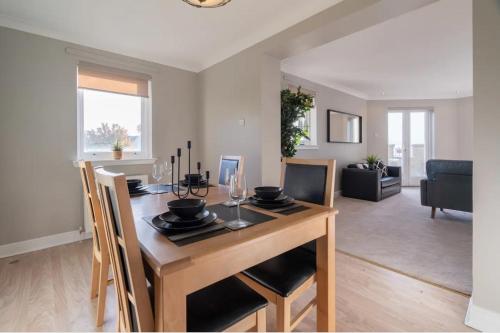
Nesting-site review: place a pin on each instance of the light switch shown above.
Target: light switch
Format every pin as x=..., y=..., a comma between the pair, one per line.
x=241, y=122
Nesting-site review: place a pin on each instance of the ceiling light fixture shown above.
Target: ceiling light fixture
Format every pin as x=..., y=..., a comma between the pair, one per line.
x=207, y=3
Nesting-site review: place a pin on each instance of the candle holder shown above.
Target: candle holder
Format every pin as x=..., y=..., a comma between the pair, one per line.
x=190, y=188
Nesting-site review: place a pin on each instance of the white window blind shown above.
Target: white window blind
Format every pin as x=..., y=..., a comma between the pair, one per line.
x=108, y=79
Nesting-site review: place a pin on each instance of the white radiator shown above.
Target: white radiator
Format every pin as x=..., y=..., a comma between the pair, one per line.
x=86, y=213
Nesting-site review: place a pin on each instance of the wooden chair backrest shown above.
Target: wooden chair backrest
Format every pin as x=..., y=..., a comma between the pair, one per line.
x=135, y=312
x=90, y=194
x=309, y=180
x=231, y=163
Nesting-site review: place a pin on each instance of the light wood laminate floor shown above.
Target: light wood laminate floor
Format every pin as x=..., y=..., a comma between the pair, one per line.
x=49, y=291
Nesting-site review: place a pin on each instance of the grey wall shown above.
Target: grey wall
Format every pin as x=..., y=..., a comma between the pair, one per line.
x=230, y=92
x=328, y=98
x=452, y=126
x=484, y=310
x=41, y=190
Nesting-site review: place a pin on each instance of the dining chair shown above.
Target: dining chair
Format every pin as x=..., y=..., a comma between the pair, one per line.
x=100, y=253
x=226, y=305
x=231, y=164
x=283, y=279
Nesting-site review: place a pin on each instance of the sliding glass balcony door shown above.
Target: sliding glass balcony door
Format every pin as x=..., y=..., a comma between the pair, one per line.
x=409, y=140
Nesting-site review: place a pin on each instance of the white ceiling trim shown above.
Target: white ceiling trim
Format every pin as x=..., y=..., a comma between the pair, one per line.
x=356, y=93
x=338, y=87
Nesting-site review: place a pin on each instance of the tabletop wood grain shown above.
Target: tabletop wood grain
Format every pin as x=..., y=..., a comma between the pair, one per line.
x=162, y=254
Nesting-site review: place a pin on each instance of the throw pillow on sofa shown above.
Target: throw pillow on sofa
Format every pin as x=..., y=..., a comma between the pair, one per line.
x=359, y=166
x=380, y=165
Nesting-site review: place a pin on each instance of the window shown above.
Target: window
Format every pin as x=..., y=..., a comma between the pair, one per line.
x=113, y=106
x=307, y=123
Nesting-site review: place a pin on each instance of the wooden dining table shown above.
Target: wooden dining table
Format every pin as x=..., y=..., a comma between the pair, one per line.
x=178, y=271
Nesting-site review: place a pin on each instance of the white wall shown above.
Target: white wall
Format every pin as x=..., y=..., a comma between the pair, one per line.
x=466, y=128
x=484, y=309
x=41, y=191
x=453, y=128
x=328, y=98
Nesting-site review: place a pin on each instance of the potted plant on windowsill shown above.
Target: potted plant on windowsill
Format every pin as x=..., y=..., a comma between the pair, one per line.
x=117, y=150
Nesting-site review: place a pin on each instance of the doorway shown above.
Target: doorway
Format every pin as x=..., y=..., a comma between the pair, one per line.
x=410, y=142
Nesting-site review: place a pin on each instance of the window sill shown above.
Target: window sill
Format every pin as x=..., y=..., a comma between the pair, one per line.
x=130, y=161
x=307, y=147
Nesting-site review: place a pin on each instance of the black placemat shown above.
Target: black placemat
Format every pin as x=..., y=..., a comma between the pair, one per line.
x=224, y=213
x=287, y=210
x=164, y=188
x=230, y=213
x=203, y=184
x=292, y=210
x=194, y=239
x=151, y=189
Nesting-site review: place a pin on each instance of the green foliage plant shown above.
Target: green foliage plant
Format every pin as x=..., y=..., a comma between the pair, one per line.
x=293, y=107
x=118, y=145
x=372, y=159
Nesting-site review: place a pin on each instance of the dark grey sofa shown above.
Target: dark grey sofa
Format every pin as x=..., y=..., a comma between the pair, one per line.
x=448, y=185
x=369, y=184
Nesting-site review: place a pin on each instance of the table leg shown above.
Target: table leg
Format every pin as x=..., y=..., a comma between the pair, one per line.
x=158, y=288
x=173, y=305
x=325, y=274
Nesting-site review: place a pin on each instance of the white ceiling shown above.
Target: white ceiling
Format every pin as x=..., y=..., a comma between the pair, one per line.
x=168, y=32
x=424, y=54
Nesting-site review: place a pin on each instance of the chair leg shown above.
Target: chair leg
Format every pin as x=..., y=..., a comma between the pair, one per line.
x=433, y=212
x=94, y=277
x=101, y=297
x=283, y=317
x=119, y=320
x=261, y=320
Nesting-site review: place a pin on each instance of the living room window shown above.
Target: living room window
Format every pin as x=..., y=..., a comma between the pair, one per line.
x=113, y=106
x=307, y=123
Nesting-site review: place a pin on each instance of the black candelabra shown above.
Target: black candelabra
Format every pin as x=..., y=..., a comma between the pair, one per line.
x=190, y=187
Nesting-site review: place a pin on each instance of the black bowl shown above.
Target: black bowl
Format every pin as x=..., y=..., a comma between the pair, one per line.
x=194, y=177
x=186, y=208
x=268, y=192
x=133, y=183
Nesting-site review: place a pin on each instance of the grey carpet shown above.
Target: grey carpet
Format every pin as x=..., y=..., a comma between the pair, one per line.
x=398, y=233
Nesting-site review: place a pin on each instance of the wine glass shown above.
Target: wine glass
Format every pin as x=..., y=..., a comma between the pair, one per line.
x=238, y=193
x=227, y=177
x=227, y=183
x=168, y=170
x=158, y=173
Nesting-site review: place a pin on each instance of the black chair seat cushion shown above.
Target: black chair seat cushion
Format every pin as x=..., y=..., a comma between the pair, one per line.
x=221, y=305
x=286, y=272
x=389, y=181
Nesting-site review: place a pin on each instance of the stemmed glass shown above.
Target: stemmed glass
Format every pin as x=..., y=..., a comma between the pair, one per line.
x=238, y=193
x=158, y=173
x=168, y=171
x=227, y=183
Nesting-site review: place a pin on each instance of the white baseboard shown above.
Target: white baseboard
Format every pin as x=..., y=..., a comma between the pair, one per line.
x=482, y=319
x=41, y=243
x=337, y=194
